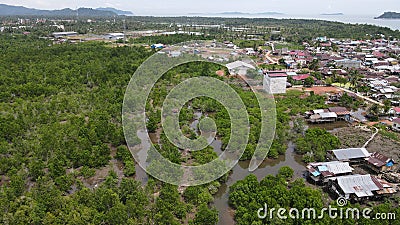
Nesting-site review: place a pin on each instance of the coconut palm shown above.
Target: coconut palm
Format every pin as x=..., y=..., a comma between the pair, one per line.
x=374, y=111
x=354, y=79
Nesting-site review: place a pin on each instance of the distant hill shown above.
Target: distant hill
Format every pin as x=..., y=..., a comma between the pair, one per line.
x=332, y=14
x=9, y=10
x=117, y=11
x=270, y=13
x=238, y=13
x=242, y=13
x=389, y=15
x=234, y=13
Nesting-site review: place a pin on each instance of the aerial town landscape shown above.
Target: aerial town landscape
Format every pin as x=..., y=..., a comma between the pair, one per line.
x=68, y=157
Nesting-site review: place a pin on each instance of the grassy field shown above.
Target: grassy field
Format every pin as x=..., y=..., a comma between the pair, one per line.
x=290, y=46
x=347, y=86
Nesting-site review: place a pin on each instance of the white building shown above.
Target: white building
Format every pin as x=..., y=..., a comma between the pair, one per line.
x=291, y=74
x=348, y=63
x=275, y=83
x=175, y=54
x=115, y=36
x=250, y=51
x=64, y=34
x=396, y=125
x=239, y=68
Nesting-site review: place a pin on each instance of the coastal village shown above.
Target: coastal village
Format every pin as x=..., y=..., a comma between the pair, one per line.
x=365, y=72
x=362, y=71
x=344, y=91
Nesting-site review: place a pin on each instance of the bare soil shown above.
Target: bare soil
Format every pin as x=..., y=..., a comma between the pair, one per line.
x=318, y=90
x=352, y=137
x=385, y=146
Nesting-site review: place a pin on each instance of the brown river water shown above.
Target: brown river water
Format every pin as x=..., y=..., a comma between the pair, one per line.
x=240, y=171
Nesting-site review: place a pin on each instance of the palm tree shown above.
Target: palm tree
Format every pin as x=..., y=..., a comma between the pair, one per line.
x=342, y=80
x=314, y=65
x=374, y=110
x=388, y=105
x=354, y=79
x=335, y=76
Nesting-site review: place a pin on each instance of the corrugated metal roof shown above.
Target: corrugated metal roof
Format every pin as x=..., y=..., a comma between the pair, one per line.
x=277, y=75
x=379, y=160
x=316, y=173
x=328, y=115
x=339, y=111
x=317, y=111
x=387, y=191
x=351, y=153
x=323, y=168
x=339, y=167
x=301, y=77
x=238, y=64
x=331, y=168
x=397, y=121
x=327, y=174
x=360, y=185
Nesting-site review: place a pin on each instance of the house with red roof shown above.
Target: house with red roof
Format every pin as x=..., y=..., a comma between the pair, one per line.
x=396, y=110
x=302, y=77
x=378, y=54
x=327, y=44
x=381, y=163
x=299, y=79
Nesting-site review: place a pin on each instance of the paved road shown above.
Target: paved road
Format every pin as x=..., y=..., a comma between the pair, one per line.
x=271, y=60
x=268, y=55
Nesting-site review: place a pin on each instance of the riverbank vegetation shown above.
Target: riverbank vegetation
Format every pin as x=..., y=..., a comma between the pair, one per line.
x=283, y=192
x=62, y=144
x=312, y=143
x=211, y=108
x=315, y=144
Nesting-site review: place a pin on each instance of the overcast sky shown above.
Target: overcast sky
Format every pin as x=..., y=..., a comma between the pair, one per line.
x=182, y=7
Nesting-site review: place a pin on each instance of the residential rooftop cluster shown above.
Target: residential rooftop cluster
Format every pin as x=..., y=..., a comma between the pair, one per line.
x=339, y=176
x=375, y=61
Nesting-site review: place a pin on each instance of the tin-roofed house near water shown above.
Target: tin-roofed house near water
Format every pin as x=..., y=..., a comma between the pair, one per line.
x=360, y=187
x=351, y=155
x=321, y=172
x=381, y=163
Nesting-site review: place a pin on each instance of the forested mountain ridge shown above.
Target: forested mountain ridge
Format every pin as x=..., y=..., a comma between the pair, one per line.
x=9, y=10
x=117, y=11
